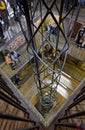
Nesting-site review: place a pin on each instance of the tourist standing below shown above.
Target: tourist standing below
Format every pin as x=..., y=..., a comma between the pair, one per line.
x=48, y=52
x=13, y=5
x=9, y=61
x=15, y=57
x=48, y=29
x=79, y=36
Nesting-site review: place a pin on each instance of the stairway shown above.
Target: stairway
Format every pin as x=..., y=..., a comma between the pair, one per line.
x=6, y=108
x=74, y=116
x=13, y=116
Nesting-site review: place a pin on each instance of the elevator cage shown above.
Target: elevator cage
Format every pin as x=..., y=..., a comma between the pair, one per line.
x=50, y=24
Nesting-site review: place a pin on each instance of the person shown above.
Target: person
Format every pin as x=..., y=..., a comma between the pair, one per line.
x=9, y=61
x=48, y=31
x=15, y=57
x=6, y=51
x=48, y=28
x=16, y=79
x=13, y=5
x=55, y=31
x=83, y=41
x=1, y=30
x=4, y=13
x=48, y=51
x=79, y=37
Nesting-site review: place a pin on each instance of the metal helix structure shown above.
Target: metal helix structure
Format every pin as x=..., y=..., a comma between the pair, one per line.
x=48, y=70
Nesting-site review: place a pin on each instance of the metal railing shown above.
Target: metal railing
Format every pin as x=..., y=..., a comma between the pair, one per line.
x=74, y=112
x=8, y=97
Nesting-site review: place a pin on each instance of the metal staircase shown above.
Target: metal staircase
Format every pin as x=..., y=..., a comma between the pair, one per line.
x=13, y=115
x=16, y=116
x=74, y=116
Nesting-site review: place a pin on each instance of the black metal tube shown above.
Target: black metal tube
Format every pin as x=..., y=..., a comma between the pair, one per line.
x=27, y=16
x=71, y=125
x=80, y=94
x=4, y=84
x=83, y=88
x=7, y=90
x=6, y=96
x=57, y=40
x=35, y=8
x=67, y=14
x=81, y=113
x=29, y=128
x=12, y=102
x=12, y=117
x=47, y=7
x=39, y=26
x=31, y=37
x=2, y=81
x=76, y=102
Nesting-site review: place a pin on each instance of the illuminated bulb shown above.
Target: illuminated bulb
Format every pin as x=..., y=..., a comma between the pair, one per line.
x=46, y=93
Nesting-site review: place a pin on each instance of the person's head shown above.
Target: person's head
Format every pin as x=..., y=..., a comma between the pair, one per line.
x=49, y=23
x=12, y=53
x=6, y=53
x=47, y=46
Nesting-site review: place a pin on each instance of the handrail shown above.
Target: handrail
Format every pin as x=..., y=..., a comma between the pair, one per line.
x=81, y=113
x=76, y=115
x=7, y=98
x=29, y=128
x=7, y=90
x=71, y=125
x=10, y=101
x=80, y=93
x=12, y=117
x=76, y=102
x=83, y=88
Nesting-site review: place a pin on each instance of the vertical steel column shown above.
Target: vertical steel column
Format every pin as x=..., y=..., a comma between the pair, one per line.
x=57, y=40
x=27, y=15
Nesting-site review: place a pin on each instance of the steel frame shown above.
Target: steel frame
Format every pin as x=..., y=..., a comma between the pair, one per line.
x=49, y=69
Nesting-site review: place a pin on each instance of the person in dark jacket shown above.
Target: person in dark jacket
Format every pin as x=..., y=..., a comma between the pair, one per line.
x=79, y=36
x=1, y=30
x=48, y=51
x=4, y=14
x=13, y=5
